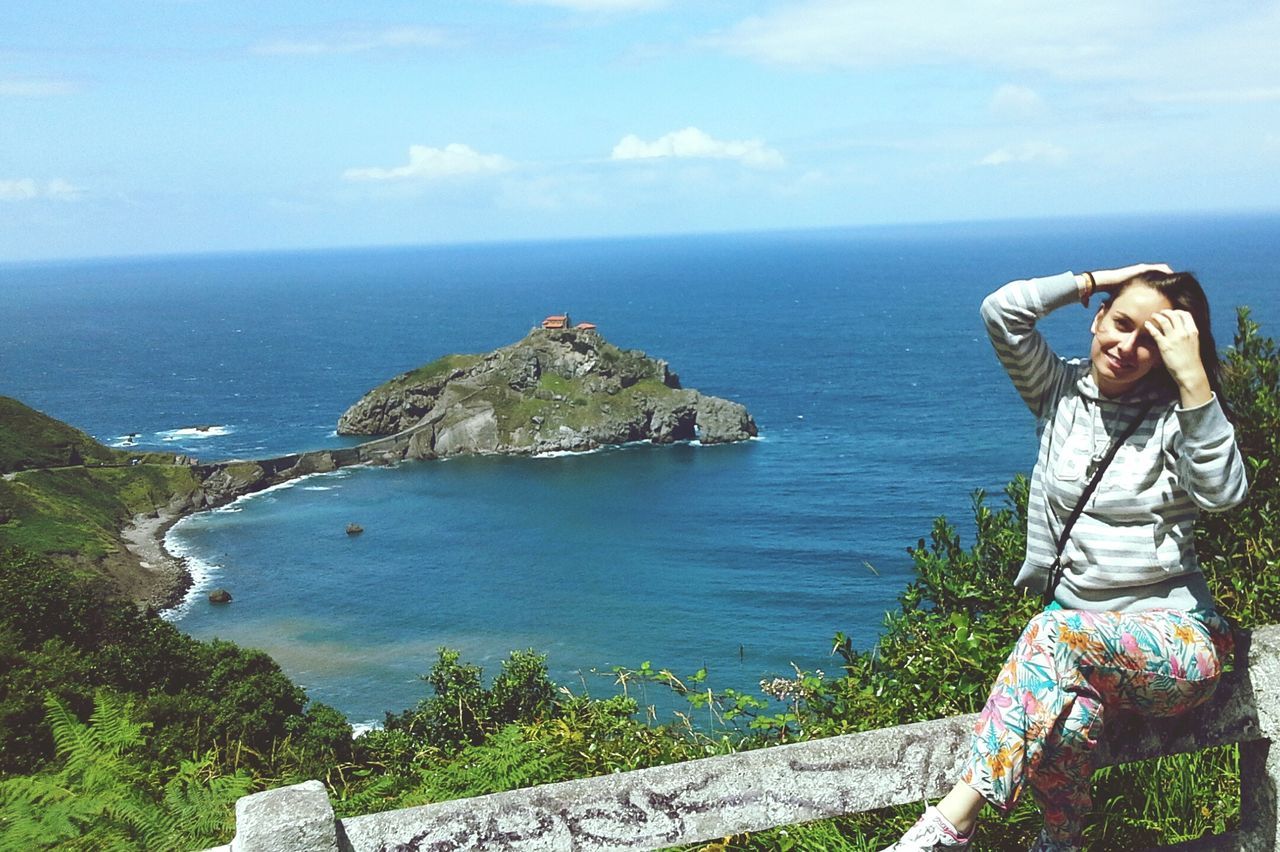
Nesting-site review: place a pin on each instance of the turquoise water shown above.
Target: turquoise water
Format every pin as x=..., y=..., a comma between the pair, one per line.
x=858, y=352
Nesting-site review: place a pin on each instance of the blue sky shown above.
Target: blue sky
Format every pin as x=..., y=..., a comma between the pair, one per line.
x=159, y=126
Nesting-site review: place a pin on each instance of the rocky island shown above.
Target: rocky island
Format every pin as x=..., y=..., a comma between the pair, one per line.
x=557, y=390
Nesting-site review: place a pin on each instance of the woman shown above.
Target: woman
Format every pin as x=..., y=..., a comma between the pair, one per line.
x=1132, y=624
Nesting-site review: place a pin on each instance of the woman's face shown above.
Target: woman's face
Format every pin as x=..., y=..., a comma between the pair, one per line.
x=1123, y=353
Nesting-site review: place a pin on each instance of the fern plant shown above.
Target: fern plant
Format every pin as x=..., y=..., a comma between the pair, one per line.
x=103, y=798
x=506, y=761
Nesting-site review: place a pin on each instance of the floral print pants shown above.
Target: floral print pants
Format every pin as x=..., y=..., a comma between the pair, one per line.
x=1070, y=667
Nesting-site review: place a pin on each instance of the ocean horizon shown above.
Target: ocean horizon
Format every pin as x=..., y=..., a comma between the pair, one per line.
x=858, y=351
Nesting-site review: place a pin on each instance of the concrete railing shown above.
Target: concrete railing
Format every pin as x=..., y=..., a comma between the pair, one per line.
x=750, y=791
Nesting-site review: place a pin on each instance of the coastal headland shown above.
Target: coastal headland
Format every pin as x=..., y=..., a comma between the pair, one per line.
x=556, y=390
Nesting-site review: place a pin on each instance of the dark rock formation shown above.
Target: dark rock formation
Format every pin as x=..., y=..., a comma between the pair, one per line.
x=219, y=596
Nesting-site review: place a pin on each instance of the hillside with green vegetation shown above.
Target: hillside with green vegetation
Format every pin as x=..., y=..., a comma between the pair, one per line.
x=67, y=498
x=30, y=439
x=118, y=731
x=78, y=512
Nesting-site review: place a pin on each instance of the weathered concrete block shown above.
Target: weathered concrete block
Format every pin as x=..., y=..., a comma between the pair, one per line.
x=749, y=791
x=1260, y=760
x=684, y=802
x=288, y=819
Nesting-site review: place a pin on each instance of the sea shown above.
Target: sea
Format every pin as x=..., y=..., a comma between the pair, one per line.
x=859, y=353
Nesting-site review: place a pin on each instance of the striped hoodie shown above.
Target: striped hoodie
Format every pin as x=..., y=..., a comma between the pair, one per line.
x=1133, y=546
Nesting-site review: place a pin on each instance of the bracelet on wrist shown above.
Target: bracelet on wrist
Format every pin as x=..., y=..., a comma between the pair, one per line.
x=1090, y=284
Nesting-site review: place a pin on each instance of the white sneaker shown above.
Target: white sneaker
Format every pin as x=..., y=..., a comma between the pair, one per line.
x=1045, y=844
x=930, y=833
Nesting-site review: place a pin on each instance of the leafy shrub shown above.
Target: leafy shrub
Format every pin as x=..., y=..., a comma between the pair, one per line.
x=1240, y=549
x=463, y=712
x=107, y=793
x=64, y=635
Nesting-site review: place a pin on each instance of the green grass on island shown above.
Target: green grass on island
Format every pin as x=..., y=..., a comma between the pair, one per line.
x=429, y=374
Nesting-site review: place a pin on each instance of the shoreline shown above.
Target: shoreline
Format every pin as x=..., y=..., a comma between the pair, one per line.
x=166, y=578
x=169, y=575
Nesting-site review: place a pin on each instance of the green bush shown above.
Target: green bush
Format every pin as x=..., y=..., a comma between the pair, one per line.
x=107, y=792
x=66, y=636
x=1240, y=549
x=463, y=712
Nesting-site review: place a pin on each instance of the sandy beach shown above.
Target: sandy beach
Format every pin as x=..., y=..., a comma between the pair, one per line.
x=165, y=578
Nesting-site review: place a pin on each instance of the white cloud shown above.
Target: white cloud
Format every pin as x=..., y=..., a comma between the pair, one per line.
x=1255, y=95
x=62, y=190
x=388, y=39
x=18, y=190
x=29, y=189
x=1083, y=40
x=694, y=143
x=453, y=160
x=1028, y=152
x=883, y=32
x=31, y=87
x=1016, y=101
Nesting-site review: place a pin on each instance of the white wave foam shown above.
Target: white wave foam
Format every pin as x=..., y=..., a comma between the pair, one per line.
x=358, y=728
x=125, y=440
x=195, y=432
x=237, y=504
x=202, y=573
x=555, y=454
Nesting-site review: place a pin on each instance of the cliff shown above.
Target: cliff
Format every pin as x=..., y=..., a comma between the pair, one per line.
x=555, y=390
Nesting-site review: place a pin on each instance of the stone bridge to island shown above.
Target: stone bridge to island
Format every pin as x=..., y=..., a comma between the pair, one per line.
x=226, y=480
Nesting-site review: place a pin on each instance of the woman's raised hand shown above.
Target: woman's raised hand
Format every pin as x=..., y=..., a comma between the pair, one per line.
x=1178, y=339
x=1109, y=279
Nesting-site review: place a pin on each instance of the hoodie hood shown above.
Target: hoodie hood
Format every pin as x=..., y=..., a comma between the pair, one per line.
x=1149, y=390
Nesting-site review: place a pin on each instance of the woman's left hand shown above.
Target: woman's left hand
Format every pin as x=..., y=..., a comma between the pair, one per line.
x=1178, y=339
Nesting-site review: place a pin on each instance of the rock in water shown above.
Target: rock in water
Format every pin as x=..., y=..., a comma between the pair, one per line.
x=219, y=596
x=354, y=529
x=555, y=390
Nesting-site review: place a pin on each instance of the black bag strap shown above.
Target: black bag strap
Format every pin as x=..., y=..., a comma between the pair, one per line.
x=1055, y=570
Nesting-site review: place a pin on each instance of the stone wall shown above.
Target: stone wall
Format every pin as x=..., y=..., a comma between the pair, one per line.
x=750, y=791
